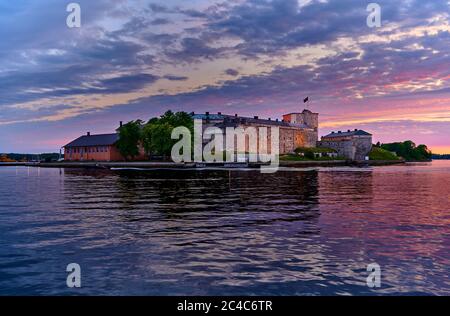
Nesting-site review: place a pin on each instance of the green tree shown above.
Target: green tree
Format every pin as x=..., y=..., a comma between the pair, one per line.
x=409, y=151
x=424, y=152
x=156, y=134
x=157, y=138
x=130, y=135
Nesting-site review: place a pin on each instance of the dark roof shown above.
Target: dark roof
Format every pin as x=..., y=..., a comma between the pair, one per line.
x=357, y=132
x=232, y=118
x=209, y=116
x=94, y=140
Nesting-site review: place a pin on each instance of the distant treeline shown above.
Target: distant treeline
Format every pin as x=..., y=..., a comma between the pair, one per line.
x=408, y=150
x=32, y=157
x=437, y=156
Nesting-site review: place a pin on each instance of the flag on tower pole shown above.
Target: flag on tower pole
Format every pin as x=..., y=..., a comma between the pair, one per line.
x=306, y=100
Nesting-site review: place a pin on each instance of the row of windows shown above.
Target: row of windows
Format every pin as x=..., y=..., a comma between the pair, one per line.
x=82, y=150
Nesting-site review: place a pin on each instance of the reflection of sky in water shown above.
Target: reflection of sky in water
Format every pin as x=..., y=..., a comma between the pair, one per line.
x=221, y=232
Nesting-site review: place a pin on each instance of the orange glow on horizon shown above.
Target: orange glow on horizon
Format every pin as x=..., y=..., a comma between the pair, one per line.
x=440, y=149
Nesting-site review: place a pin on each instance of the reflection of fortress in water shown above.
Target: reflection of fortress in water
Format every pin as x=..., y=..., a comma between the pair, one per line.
x=185, y=193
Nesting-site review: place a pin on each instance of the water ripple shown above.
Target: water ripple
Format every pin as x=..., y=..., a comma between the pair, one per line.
x=297, y=232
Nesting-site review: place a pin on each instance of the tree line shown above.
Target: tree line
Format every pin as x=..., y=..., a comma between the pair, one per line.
x=12, y=157
x=408, y=150
x=153, y=136
x=441, y=156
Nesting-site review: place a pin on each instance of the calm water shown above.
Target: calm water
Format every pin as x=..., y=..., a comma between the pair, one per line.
x=298, y=232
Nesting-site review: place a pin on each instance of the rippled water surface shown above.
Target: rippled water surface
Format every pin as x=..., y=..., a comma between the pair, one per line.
x=296, y=232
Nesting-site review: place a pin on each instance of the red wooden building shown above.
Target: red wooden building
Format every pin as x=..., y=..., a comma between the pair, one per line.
x=100, y=147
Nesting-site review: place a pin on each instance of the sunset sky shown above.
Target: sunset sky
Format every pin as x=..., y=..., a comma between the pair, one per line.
x=137, y=59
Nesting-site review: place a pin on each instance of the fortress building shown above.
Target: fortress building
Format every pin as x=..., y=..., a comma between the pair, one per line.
x=353, y=145
x=295, y=130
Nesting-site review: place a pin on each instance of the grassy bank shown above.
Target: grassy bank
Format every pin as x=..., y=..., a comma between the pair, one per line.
x=378, y=153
